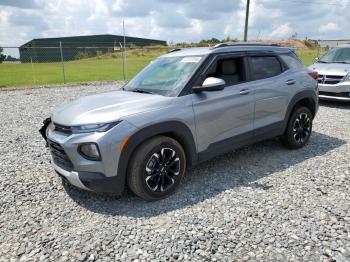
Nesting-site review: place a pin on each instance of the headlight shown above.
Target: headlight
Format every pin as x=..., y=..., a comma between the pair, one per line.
x=90, y=151
x=346, y=78
x=93, y=127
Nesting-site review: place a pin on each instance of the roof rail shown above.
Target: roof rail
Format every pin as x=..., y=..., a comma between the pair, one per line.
x=242, y=44
x=174, y=50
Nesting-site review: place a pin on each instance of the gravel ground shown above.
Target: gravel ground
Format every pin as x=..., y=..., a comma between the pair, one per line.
x=259, y=203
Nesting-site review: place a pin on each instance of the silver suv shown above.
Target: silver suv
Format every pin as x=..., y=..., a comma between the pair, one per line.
x=334, y=74
x=185, y=107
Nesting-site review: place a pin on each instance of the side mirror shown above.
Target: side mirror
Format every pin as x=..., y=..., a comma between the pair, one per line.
x=210, y=84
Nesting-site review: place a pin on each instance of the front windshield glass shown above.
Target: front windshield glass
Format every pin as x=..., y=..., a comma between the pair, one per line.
x=165, y=76
x=336, y=55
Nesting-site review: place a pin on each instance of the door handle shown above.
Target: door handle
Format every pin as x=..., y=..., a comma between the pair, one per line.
x=290, y=82
x=244, y=92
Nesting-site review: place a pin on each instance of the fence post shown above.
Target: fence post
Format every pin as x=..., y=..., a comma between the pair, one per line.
x=62, y=64
x=33, y=72
x=126, y=69
x=123, y=58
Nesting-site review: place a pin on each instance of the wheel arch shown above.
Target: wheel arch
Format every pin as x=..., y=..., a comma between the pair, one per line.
x=307, y=98
x=174, y=129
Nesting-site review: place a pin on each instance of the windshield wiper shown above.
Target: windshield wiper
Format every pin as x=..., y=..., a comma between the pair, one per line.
x=341, y=62
x=141, y=91
x=320, y=61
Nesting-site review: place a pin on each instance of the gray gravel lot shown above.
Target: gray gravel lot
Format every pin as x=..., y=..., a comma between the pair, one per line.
x=259, y=203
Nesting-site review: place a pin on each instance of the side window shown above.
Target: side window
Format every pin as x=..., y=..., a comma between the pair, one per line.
x=229, y=69
x=292, y=61
x=265, y=67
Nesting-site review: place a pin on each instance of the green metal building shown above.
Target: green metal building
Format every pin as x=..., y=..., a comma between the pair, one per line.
x=48, y=49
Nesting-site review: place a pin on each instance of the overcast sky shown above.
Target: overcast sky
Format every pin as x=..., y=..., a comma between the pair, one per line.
x=173, y=20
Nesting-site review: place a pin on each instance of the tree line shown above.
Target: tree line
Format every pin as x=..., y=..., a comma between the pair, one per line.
x=6, y=57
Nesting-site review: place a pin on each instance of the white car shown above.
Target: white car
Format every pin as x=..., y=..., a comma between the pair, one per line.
x=334, y=74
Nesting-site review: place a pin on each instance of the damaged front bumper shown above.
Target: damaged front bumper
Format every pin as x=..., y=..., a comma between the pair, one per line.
x=94, y=175
x=43, y=129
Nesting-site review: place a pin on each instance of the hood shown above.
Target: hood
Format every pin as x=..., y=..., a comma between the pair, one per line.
x=336, y=69
x=107, y=107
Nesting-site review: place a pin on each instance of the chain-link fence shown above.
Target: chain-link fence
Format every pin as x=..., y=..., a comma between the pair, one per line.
x=60, y=63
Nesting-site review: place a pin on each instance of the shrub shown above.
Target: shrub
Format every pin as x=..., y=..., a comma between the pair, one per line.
x=99, y=54
x=82, y=55
x=310, y=44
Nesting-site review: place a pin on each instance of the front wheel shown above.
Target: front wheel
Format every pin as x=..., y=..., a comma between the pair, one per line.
x=299, y=128
x=156, y=168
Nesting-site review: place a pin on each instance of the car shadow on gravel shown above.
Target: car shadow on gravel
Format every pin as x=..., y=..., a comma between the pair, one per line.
x=240, y=168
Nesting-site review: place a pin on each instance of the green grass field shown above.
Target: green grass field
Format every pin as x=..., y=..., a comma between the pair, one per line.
x=308, y=56
x=91, y=69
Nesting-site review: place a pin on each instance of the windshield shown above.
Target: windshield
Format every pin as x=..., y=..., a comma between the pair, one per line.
x=336, y=55
x=165, y=76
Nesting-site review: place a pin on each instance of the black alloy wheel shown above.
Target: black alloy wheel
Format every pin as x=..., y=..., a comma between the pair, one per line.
x=162, y=170
x=301, y=128
x=156, y=168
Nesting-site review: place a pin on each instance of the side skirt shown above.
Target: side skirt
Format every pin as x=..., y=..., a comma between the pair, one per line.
x=227, y=145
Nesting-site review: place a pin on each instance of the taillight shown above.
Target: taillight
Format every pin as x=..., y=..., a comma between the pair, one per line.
x=313, y=74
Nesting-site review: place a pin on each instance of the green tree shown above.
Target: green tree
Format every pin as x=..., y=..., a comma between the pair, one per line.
x=2, y=56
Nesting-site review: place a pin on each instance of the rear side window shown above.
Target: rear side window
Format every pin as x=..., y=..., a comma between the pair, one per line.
x=265, y=67
x=292, y=61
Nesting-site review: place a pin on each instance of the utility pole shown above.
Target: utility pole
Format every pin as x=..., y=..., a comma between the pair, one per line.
x=246, y=21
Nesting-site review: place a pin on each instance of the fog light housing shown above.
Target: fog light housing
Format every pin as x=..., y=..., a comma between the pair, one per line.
x=90, y=151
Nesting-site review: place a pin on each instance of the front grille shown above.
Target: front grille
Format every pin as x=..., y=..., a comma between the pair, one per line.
x=63, y=129
x=329, y=79
x=59, y=156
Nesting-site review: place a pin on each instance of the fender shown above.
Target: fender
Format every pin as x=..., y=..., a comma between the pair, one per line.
x=309, y=94
x=177, y=130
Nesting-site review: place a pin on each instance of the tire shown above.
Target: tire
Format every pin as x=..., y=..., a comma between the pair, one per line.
x=156, y=168
x=298, y=129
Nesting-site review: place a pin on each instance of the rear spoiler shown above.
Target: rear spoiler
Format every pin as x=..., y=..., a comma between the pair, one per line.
x=42, y=130
x=294, y=50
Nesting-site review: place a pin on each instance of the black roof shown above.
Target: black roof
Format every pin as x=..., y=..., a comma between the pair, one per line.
x=104, y=38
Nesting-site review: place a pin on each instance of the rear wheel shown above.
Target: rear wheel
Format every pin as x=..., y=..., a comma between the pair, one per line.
x=156, y=168
x=298, y=129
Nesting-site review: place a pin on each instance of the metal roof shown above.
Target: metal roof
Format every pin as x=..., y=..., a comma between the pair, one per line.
x=104, y=38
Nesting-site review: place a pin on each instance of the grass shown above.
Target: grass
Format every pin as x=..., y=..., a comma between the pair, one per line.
x=307, y=56
x=91, y=69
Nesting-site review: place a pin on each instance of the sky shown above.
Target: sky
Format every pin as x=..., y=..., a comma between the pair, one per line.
x=173, y=20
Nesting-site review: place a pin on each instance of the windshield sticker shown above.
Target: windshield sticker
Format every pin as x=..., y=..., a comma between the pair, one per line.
x=191, y=59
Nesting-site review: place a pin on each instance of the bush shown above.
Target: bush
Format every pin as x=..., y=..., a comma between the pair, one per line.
x=2, y=56
x=82, y=55
x=99, y=54
x=310, y=44
x=134, y=46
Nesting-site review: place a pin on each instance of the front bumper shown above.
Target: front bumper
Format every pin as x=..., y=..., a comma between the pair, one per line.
x=98, y=176
x=70, y=176
x=89, y=181
x=334, y=98
x=337, y=92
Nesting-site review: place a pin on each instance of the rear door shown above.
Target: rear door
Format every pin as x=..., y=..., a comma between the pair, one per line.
x=270, y=83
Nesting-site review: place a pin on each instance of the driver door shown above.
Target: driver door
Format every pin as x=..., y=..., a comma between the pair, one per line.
x=224, y=119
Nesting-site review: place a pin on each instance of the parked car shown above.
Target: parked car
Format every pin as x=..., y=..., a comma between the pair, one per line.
x=334, y=74
x=187, y=106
